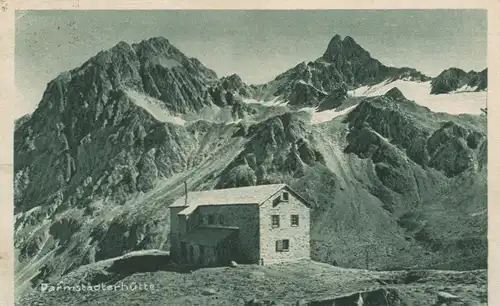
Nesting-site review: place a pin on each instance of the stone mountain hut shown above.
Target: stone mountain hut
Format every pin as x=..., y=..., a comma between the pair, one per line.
x=254, y=225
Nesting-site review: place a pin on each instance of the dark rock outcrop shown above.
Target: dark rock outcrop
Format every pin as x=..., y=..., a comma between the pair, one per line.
x=452, y=148
x=454, y=78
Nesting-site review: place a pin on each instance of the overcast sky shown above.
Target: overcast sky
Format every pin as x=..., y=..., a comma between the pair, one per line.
x=257, y=45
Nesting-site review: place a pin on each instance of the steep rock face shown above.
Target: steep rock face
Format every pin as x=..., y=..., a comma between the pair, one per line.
x=456, y=79
x=171, y=77
x=94, y=92
x=71, y=195
x=278, y=150
x=452, y=148
x=88, y=149
x=83, y=152
x=392, y=122
x=305, y=84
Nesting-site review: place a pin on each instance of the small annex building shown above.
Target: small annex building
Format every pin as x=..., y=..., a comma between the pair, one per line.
x=262, y=224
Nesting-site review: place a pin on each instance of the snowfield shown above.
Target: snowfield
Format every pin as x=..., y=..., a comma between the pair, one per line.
x=153, y=107
x=462, y=101
x=324, y=116
x=274, y=102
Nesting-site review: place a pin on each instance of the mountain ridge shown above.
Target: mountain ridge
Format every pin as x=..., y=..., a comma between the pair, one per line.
x=454, y=79
x=382, y=175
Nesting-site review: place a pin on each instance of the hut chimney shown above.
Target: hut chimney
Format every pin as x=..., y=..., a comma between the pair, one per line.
x=185, y=194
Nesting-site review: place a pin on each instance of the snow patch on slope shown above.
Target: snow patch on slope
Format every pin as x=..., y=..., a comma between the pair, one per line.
x=153, y=107
x=320, y=117
x=463, y=101
x=169, y=63
x=466, y=88
x=311, y=85
x=274, y=102
x=324, y=116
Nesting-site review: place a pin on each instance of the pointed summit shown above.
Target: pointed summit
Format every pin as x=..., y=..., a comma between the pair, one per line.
x=348, y=40
x=346, y=48
x=334, y=46
x=336, y=39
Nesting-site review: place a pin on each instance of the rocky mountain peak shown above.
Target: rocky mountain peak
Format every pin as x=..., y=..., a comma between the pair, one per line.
x=345, y=48
x=159, y=40
x=156, y=46
x=232, y=82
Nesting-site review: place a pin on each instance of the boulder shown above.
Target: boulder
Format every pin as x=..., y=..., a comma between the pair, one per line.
x=445, y=297
x=233, y=264
x=209, y=291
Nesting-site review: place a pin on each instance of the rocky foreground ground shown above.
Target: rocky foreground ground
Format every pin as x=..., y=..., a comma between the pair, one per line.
x=152, y=281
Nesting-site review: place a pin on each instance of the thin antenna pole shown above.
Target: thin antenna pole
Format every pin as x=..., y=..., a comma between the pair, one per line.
x=186, y=193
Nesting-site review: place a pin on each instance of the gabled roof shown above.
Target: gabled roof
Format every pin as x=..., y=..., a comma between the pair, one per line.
x=231, y=196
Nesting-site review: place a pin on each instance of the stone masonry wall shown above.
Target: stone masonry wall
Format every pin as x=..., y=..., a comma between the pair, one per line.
x=299, y=237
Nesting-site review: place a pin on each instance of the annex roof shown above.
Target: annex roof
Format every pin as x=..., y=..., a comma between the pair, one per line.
x=231, y=196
